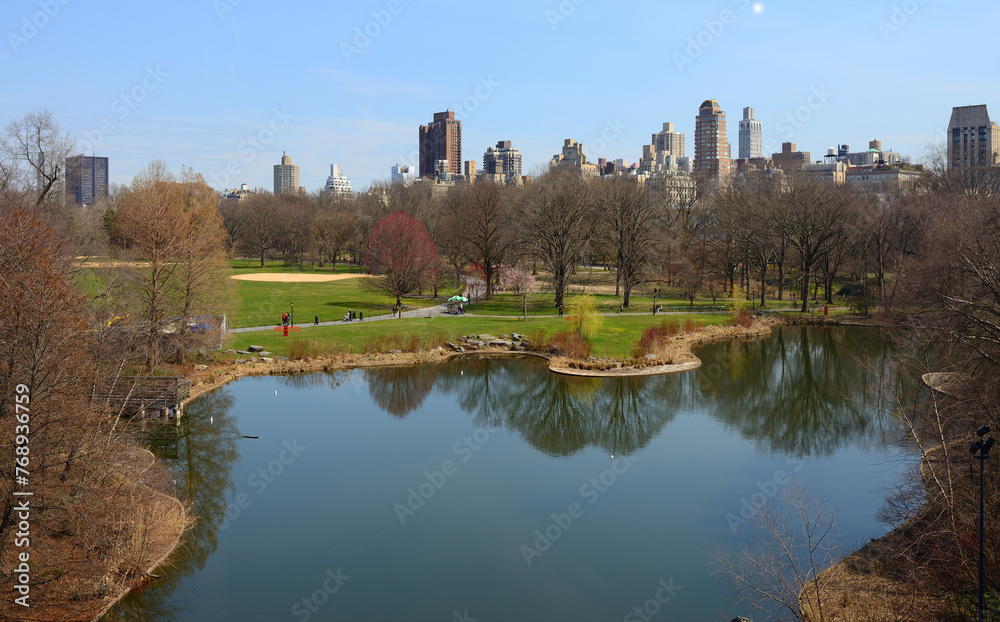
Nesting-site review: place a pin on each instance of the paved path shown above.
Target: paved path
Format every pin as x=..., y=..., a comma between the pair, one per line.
x=426, y=312
x=440, y=311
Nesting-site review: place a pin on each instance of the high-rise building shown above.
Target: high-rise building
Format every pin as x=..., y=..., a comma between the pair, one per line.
x=751, y=145
x=790, y=159
x=286, y=176
x=337, y=184
x=669, y=142
x=441, y=140
x=972, y=138
x=572, y=158
x=503, y=160
x=86, y=178
x=712, y=153
x=403, y=174
x=665, y=154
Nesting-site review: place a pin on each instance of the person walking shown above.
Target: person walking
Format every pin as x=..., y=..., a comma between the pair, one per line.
x=316, y=321
x=361, y=316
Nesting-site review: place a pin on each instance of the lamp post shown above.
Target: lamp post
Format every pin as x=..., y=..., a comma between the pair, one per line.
x=981, y=451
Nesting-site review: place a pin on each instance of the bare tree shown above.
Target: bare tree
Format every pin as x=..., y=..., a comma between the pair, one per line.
x=334, y=228
x=633, y=220
x=558, y=218
x=780, y=577
x=811, y=216
x=33, y=151
x=264, y=225
x=485, y=230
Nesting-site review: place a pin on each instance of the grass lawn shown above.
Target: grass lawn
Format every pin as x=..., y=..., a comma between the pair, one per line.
x=540, y=303
x=251, y=266
x=262, y=303
x=615, y=339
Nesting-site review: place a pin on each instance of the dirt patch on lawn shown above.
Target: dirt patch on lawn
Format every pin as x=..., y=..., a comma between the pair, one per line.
x=280, y=277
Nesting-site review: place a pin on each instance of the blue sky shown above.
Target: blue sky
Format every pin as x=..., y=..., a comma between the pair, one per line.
x=224, y=86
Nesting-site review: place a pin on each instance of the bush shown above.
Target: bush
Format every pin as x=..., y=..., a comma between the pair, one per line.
x=742, y=318
x=571, y=345
x=655, y=337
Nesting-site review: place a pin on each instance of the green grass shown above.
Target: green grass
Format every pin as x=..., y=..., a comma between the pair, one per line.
x=541, y=304
x=615, y=339
x=251, y=266
x=262, y=303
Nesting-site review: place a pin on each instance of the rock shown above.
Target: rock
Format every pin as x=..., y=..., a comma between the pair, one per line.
x=264, y=353
x=520, y=348
x=452, y=346
x=230, y=351
x=242, y=352
x=256, y=348
x=486, y=337
x=504, y=337
x=282, y=358
x=593, y=359
x=266, y=359
x=501, y=343
x=395, y=351
x=516, y=336
x=650, y=357
x=616, y=364
x=459, y=349
x=475, y=343
x=201, y=367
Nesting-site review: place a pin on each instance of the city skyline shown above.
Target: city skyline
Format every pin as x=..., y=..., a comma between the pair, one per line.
x=356, y=93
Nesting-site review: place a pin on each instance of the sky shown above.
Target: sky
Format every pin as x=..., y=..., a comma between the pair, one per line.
x=226, y=86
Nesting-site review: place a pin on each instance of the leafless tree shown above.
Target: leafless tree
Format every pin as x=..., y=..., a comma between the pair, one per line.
x=633, y=222
x=33, y=151
x=781, y=575
x=264, y=225
x=485, y=230
x=558, y=218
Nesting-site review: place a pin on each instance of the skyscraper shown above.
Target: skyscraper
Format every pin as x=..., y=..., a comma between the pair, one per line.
x=503, y=160
x=86, y=179
x=441, y=141
x=669, y=142
x=750, y=136
x=972, y=138
x=286, y=176
x=337, y=184
x=712, y=153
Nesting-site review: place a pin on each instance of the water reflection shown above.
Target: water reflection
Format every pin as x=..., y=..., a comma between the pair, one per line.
x=201, y=453
x=790, y=393
x=805, y=391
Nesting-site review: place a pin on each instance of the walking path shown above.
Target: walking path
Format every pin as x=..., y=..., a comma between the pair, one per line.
x=426, y=312
x=441, y=311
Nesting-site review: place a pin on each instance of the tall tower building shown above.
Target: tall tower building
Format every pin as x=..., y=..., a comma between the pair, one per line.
x=751, y=145
x=712, y=153
x=441, y=140
x=337, y=184
x=972, y=138
x=503, y=160
x=286, y=176
x=669, y=142
x=86, y=179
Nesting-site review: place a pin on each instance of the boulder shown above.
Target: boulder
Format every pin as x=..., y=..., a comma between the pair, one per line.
x=486, y=337
x=266, y=359
x=242, y=352
x=650, y=357
x=264, y=353
x=201, y=367
x=256, y=348
x=453, y=346
x=459, y=349
x=395, y=351
x=475, y=343
x=501, y=343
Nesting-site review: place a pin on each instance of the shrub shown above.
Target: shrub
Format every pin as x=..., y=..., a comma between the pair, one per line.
x=571, y=345
x=742, y=318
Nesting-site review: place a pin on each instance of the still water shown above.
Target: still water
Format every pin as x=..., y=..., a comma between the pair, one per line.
x=491, y=489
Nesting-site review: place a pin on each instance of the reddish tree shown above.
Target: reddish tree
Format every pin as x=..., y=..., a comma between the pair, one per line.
x=401, y=255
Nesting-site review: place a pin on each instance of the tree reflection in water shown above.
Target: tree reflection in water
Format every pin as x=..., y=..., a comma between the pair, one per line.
x=202, y=464
x=793, y=392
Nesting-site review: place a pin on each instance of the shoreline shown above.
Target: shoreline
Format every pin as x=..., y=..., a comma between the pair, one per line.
x=203, y=381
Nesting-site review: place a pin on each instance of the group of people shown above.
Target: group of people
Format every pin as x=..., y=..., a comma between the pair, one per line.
x=354, y=315
x=285, y=318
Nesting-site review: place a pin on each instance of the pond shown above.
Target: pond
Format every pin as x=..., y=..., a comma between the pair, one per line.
x=492, y=489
